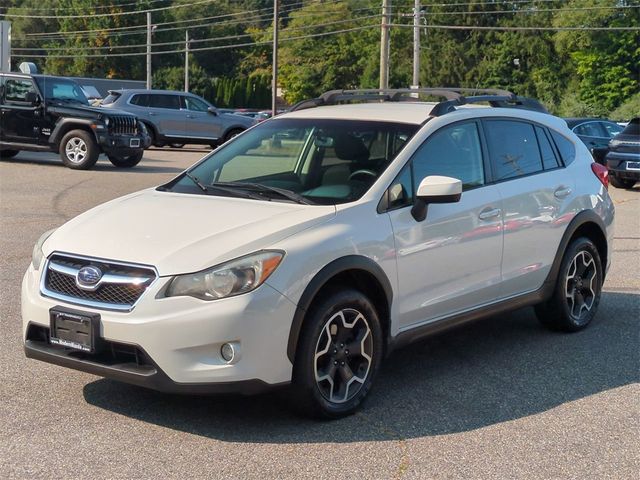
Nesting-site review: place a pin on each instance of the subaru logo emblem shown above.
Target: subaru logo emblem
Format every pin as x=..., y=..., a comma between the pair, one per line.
x=89, y=276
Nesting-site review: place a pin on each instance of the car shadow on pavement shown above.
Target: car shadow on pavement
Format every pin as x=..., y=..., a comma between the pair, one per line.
x=500, y=369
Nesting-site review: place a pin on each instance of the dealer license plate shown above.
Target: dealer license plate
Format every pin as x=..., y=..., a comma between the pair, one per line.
x=72, y=329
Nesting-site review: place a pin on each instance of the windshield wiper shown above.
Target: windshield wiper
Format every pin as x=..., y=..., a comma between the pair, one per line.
x=259, y=187
x=195, y=180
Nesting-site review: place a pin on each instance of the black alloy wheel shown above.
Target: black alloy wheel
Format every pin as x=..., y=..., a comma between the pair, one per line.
x=578, y=289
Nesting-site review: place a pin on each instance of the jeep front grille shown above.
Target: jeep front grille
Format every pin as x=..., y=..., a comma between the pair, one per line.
x=122, y=125
x=119, y=288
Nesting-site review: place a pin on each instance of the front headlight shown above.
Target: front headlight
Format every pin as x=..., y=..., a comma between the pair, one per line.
x=37, y=255
x=229, y=279
x=142, y=128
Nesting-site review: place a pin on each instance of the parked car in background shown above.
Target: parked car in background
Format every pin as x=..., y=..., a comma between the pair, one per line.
x=175, y=118
x=42, y=113
x=623, y=159
x=595, y=133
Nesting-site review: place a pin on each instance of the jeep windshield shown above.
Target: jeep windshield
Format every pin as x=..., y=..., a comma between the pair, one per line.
x=311, y=161
x=61, y=90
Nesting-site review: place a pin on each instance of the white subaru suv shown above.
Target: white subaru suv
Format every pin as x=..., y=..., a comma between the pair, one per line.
x=306, y=249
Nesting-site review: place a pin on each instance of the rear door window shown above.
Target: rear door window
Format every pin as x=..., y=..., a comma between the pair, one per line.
x=549, y=160
x=171, y=102
x=513, y=149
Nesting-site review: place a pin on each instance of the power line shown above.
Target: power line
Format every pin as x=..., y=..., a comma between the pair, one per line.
x=552, y=29
x=220, y=47
x=96, y=7
x=228, y=37
x=112, y=14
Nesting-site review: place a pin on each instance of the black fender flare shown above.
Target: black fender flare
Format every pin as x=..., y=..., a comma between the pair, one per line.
x=342, y=264
x=582, y=218
x=61, y=126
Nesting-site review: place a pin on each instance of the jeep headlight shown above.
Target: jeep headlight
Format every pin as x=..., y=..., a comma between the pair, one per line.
x=37, y=255
x=142, y=128
x=228, y=279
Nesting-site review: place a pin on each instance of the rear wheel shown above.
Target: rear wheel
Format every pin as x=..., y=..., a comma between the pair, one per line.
x=176, y=145
x=8, y=153
x=621, y=182
x=232, y=133
x=578, y=288
x=339, y=354
x=79, y=150
x=128, y=161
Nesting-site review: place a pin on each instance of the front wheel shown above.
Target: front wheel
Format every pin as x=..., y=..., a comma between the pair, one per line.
x=79, y=150
x=578, y=288
x=8, y=153
x=621, y=182
x=339, y=354
x=128, y=161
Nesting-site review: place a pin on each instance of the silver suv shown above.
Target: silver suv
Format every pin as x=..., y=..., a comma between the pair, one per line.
x=177, y=118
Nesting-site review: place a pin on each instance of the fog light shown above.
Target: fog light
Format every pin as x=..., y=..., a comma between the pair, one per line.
x=228, y=352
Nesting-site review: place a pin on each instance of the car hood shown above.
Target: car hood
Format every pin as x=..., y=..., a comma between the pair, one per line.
x=83, y=111
x=182, y=233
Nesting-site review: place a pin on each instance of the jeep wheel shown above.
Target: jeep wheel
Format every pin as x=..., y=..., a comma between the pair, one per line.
x=8, y=153
x=79, y=150
x=339, y=354
x=128, y=161
x=578, y=288
x=621, y=182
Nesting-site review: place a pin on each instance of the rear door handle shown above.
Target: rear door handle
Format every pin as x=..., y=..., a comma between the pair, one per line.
x=562, y=191
x=152, y=114
x=489, y=213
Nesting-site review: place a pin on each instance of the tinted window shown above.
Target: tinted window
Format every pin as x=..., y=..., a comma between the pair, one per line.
x=140, y=100
x=549, y=159
x=195, y=104
x=565, y=146
x=16, y=90
x=452, y=151
x=612, y=128
x=165, y=101
x=513, y=149
x=590, y=129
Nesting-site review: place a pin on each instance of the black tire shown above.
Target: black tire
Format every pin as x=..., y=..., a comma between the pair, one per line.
x=176, y=145
x=232, y=133
x=214, y=145
x=8, y=153
x=357, y=325
x=78, y=150
x=621, y=182
x=577, y=291
x=128, y=161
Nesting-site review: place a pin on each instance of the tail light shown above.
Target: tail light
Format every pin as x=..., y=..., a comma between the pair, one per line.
x=602, y=173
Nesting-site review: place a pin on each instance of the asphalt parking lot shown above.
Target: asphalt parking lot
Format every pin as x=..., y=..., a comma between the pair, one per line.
x=502, y=398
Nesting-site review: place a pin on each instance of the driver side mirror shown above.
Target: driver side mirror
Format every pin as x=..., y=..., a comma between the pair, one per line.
x=435, y=189
x=32, y=98
x=212, y=110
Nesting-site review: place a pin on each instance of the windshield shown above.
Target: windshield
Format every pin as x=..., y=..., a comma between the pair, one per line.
x=319, y=161
x=61, y=89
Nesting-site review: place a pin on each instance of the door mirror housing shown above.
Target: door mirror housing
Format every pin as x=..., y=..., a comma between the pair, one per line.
x=33, y=98
x=435, y=189
x=212, y=110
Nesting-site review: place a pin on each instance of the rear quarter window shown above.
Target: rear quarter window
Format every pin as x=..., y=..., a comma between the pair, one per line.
x=565, y=146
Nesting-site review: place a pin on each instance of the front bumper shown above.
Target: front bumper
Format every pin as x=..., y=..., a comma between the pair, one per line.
x=618, y=165
x=173, y=344
x=122, y=144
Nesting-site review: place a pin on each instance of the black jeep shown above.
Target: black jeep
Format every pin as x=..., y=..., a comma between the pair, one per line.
x=45, y=113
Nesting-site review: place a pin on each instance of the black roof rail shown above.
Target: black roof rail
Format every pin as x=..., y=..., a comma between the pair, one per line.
x=453, y=97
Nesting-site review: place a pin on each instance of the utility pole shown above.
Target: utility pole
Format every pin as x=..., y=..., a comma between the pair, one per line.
x=148, y=50
x=417, y=13
x=384, y=44
x=274, y=80
x=186, y=60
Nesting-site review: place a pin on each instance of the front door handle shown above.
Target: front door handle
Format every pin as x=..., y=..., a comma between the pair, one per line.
x=489, y=213
x=152, y=114
x=562, y=191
